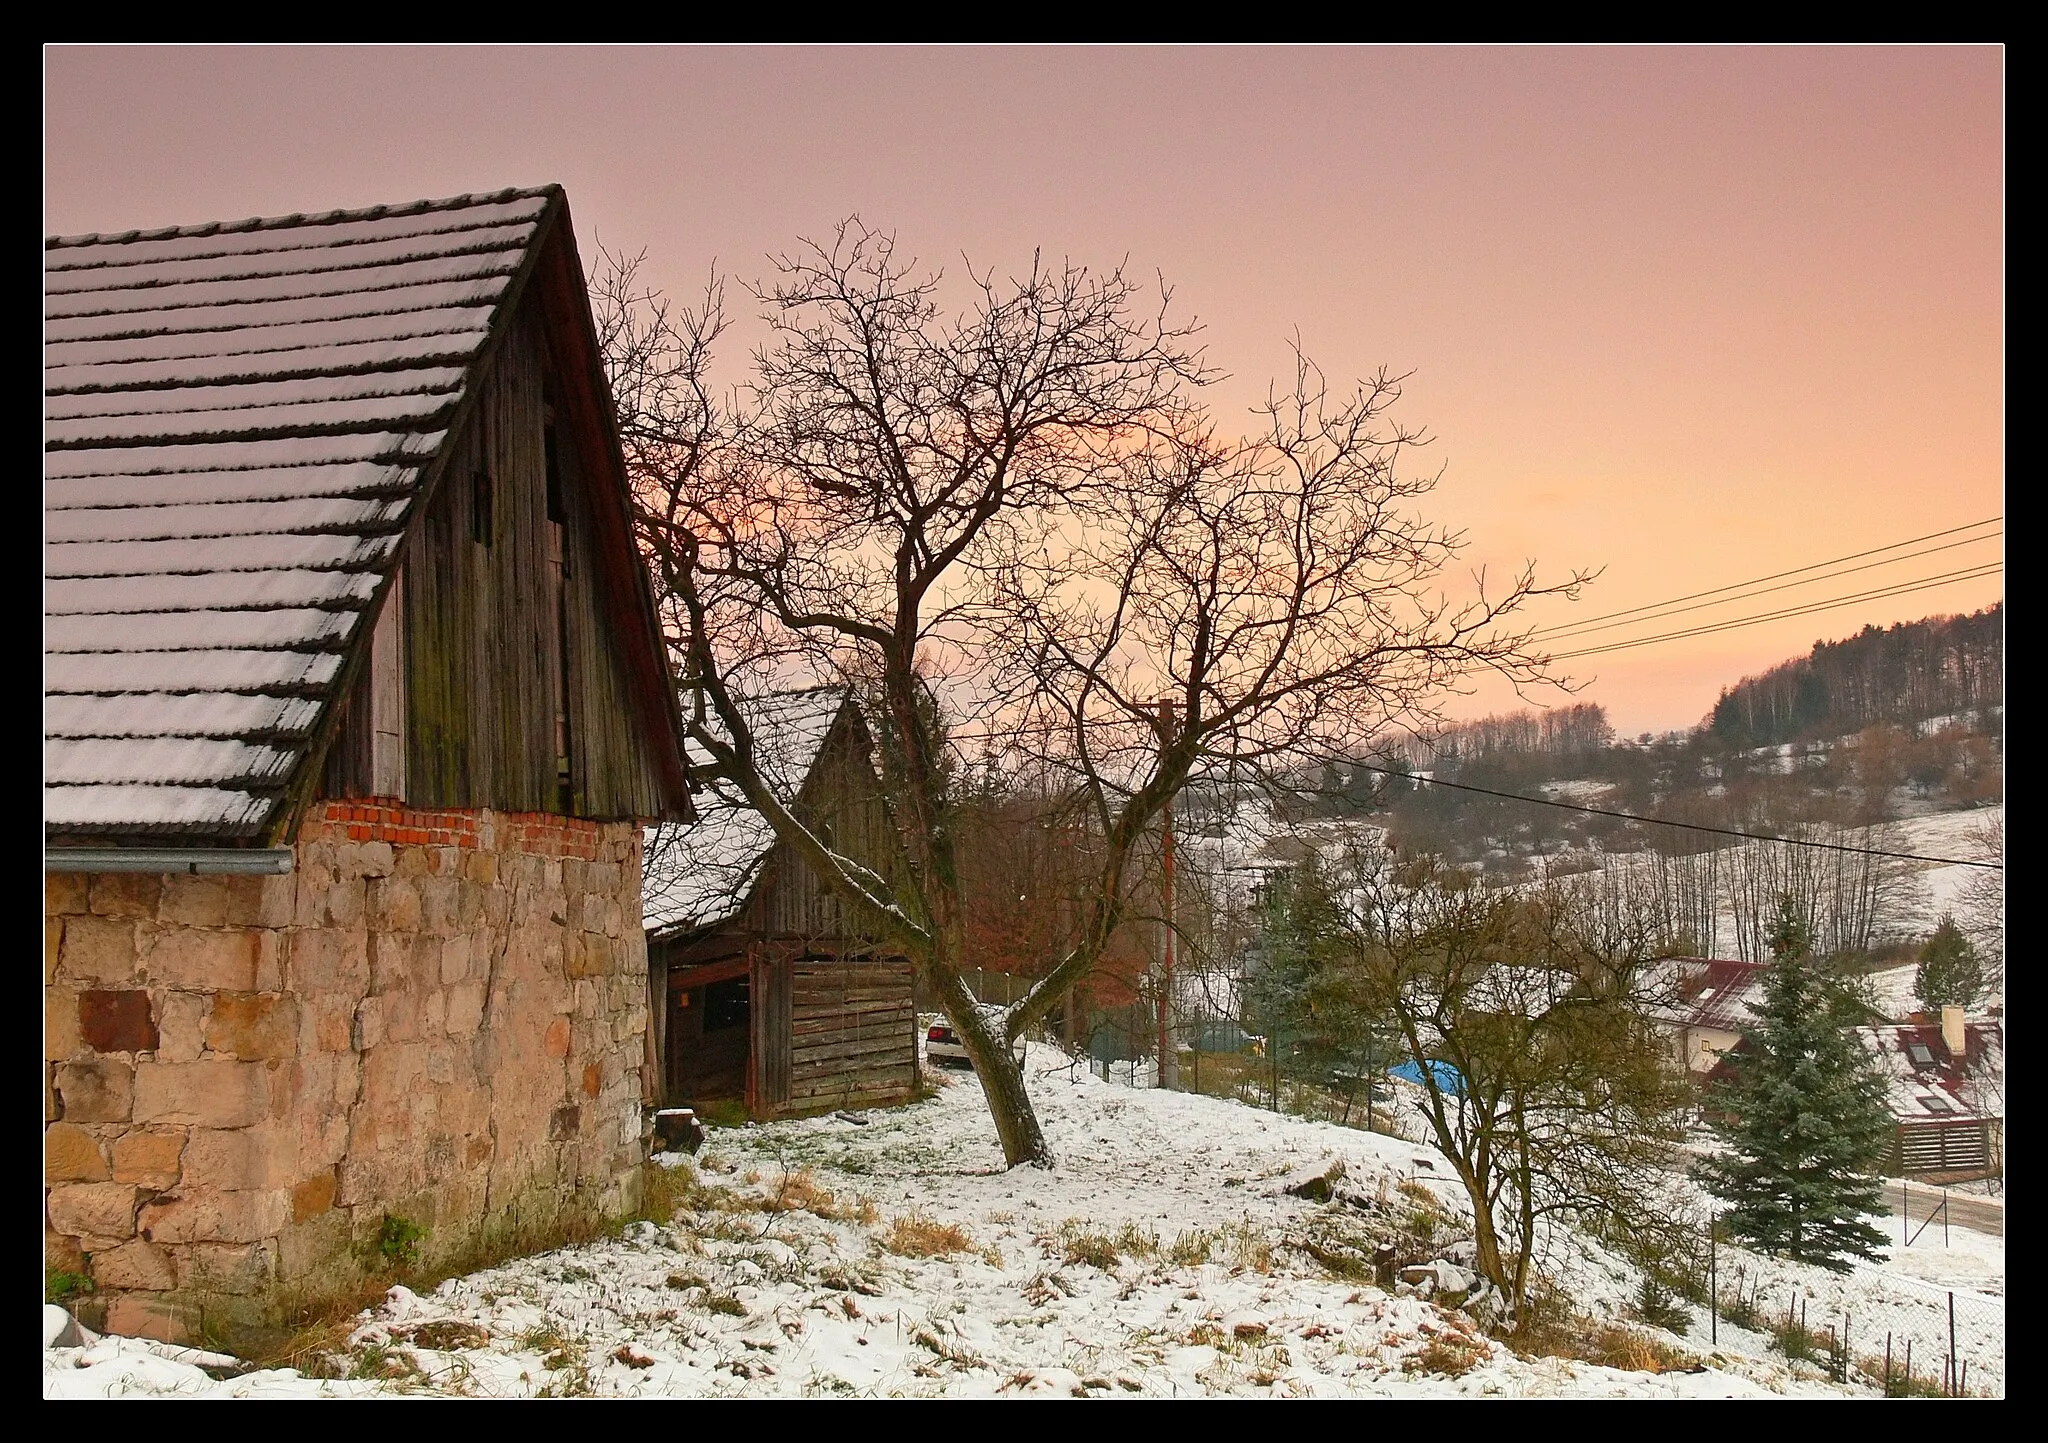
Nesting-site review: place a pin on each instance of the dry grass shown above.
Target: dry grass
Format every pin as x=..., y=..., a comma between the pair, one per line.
x=913, y=1236
x=1550, y=1327
x=1448, y=1353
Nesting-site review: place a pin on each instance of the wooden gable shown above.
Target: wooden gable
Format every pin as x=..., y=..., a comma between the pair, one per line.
x=261, y=437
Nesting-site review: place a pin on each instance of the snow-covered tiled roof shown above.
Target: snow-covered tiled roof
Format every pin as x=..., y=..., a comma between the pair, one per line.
x=1925, y=1082
x=237, y=421
x=700, y=874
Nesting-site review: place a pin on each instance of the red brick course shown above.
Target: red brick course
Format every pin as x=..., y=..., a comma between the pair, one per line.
x=375, y=820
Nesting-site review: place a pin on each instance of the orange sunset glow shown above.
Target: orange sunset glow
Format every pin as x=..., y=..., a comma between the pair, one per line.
x=1687, y=317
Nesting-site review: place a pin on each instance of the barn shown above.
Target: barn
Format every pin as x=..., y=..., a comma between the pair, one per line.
x=356, y=710
x=774, y=1003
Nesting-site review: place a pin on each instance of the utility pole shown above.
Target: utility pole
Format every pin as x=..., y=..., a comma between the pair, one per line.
x=1168, y=1071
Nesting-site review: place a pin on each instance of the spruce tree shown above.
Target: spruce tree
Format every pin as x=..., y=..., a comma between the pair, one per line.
x=1804, y=1121
x=1950, y=974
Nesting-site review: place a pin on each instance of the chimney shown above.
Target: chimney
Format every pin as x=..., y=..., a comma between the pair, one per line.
x=1952, y=1031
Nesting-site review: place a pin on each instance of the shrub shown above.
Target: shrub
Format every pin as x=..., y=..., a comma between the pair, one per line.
x=398, y=1242
x=59, y=1285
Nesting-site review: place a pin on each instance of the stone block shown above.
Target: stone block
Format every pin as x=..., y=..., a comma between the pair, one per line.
x=556, y=1040
x=64, y=894
x=593, y=1079
x=187, y=957
x=454, y=959
x=314, y=1196
x=93, y=1209
x=194, y=901
x=369, y=1024
x=60, y=1023
x=329, y=960
x=318, y=1245
x=148, y=1159
x=344, y=904
x=260, y=901
x=61, y=1252
x=394, y=905
x=210, y=1215
x=135, y=1265
x=273, y=951
x=101, y=1089
x=53, y=947
x=434, y=1013
x=126, y=894
x=181, y=1025
x=465, y=1008
x=241, y=1159
x=253, y=1025
x=97, y=949
x=238, y=1268
x=208, y=1093
x=117, y=1021
x=438, y=903
x=150, y=1315
x=71, y=1154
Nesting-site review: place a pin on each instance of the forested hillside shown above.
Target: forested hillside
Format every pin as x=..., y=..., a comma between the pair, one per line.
x=1902, y=674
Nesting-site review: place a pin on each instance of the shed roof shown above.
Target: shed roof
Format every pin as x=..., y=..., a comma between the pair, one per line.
x=239, y=421
x=703, y=873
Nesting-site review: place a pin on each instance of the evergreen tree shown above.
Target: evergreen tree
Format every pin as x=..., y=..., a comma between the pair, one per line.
x=1950, y=974
x=1804, y=1120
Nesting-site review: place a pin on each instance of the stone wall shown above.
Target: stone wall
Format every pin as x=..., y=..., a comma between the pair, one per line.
x=436, y=1017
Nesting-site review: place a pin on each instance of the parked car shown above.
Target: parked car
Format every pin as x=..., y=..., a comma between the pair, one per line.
x=943, y=1047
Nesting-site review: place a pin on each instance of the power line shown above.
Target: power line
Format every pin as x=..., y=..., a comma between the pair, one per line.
x=1047, y=730
x=1806, y=609
x=1687, y=826
x=1774, y=576
x=1577, y=630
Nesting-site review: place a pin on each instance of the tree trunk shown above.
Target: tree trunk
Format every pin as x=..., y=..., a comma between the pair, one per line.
x=1002, y=1076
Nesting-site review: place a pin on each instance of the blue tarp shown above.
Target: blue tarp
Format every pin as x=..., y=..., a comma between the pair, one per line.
x=1447, y=1077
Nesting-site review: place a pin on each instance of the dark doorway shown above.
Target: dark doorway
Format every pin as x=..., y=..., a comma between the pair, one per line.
x=709, y=1036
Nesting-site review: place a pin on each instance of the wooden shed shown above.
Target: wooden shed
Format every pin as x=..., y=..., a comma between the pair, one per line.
x=773, y=1001
x=356, y=710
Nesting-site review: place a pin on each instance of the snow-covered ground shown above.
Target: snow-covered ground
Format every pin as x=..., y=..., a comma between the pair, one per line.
x=1162, y=1257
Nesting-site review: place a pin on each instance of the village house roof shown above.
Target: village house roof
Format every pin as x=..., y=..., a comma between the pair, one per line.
x=240, y=421
x=1925, y=1082
x=1718, y=993
x=703, y=873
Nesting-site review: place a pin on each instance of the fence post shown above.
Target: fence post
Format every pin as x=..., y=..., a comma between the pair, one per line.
x=1905, y=1216
x=1952, y=1335
x=1887, y=1362
x=1713, y=1281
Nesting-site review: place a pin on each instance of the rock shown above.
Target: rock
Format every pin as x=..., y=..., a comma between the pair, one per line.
x=61, y=1330
x=676, y=1129
x=1318, y=1186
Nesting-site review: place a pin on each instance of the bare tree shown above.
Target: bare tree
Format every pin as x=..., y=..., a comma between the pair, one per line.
x=1017, y=517
x=1544, y=1080
x=1236, y=608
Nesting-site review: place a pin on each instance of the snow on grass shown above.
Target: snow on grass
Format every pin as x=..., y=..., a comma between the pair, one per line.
x=1163, y=1257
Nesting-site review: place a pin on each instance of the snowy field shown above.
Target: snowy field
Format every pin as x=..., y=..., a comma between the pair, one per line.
x=1162, y=1258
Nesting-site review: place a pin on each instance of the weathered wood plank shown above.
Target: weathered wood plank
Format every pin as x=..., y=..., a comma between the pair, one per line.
x=811, y=1057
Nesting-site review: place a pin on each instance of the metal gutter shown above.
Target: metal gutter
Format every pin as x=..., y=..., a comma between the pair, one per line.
x=192, y=861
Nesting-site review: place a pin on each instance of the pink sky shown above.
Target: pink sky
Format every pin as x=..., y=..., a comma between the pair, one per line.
x=1689, y=315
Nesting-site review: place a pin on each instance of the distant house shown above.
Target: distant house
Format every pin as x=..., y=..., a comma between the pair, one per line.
x=773, y=1001
x=1946, y=1090
x=1705, y=1007
x=355, y=710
